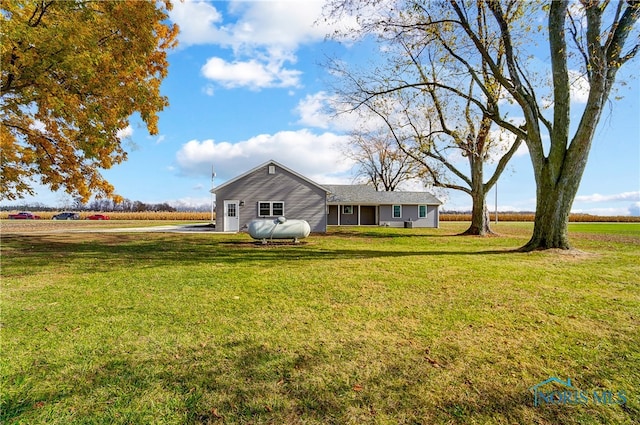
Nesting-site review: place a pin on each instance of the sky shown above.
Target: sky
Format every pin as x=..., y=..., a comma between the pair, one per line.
x=249, y=83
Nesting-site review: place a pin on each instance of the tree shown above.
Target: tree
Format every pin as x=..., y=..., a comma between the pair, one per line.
x=595, y=37
x=72, y=74
x=438, y=130
x=380, y=160
x=409, y=94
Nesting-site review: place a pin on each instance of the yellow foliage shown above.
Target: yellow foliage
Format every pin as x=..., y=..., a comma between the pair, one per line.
x=73, y=72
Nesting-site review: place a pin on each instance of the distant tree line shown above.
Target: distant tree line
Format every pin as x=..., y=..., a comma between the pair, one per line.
x=127, y=205
x=107, y=205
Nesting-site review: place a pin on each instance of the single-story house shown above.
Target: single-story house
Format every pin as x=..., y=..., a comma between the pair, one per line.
x=271, y=190
x=268, y=191
x=361, y=205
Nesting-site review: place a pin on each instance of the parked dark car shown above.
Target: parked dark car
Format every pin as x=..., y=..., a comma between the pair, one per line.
x=66, y=216
x=98, y=217
x=24, y=215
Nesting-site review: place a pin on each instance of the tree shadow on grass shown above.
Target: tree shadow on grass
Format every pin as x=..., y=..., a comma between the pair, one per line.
x=106, y=251
x=245, y=380
x=383, y=233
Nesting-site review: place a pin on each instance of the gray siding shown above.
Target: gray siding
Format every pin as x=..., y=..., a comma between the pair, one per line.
x=349, y=219
x=302, y=200
x=409, y=213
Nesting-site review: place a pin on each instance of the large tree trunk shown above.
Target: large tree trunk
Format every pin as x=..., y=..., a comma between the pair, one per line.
x=479, y=212
x=479, y=216
x=552, y=219
x=557, y=183
x=558, y=175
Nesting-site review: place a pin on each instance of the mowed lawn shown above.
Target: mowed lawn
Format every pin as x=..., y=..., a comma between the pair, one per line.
x=360, y=326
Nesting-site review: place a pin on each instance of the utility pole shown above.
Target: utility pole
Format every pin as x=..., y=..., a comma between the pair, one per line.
x=213, y=175
x=496, y=202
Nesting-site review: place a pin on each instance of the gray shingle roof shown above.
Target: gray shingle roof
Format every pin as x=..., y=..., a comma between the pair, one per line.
x=362, y=195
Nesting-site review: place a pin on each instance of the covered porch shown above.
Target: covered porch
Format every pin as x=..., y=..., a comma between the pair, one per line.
x=352, y=215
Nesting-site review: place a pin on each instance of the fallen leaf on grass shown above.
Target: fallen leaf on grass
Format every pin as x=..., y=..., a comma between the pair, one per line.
x=433, y=362
x=357, y=388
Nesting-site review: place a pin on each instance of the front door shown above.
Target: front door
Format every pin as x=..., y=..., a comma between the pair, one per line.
x=231, y=216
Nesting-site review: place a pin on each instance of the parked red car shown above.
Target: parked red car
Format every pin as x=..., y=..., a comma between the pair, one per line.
x=98, y=217
x=24, y=215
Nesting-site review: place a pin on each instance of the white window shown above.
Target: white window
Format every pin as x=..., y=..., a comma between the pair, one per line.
x=264, y=209
x=397, y=211
x=277, y=208
x=272, y=169
x=270, y=208
x=347, y=209
x=422, y=211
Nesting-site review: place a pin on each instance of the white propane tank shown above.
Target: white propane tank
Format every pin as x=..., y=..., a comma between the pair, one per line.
x=280, y=228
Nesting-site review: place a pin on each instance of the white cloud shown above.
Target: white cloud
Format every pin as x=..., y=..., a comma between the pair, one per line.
x=197, y=21
x=247, y=24
x=191, y=203
x=609, y=200
x=579, y=87
x=316, y=156
x=209, y=90
x=250, y=74
x=603, y=211
x=596, y=197
x=277, y=23
x=503, y=140
x=125, y=133
x=317, y=110
x=263, y=36
x=313, y=111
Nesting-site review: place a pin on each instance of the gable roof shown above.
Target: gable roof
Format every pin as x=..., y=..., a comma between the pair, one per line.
x=270, y=162
x=362, y=194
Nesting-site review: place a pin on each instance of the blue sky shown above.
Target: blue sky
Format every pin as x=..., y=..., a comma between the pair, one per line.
x=247, y=85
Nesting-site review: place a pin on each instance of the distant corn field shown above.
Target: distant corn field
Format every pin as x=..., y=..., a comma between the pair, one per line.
x=575, y=218
x=120, y=215
x=206, y=216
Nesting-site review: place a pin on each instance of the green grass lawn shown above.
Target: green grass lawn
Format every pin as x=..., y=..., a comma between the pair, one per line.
x=360, y=326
